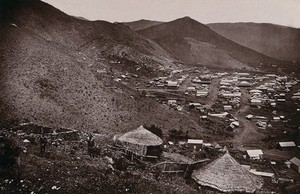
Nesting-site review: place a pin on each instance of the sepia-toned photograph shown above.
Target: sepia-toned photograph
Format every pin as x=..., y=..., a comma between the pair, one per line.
x=150, y=96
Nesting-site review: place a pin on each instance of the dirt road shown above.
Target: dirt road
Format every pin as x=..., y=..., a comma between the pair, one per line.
x=247, y=133
x=212, y=93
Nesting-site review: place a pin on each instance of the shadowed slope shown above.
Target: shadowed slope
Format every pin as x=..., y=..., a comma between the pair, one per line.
x=192, y=42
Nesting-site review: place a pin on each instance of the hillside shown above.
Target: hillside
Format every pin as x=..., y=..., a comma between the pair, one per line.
x=49, y=72
x=141, y=24
x=71, y=33
x=192, y=42
x=272, y=40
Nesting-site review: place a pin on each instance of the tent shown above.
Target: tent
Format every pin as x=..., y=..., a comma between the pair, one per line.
x=141, y=142
x=227, y=175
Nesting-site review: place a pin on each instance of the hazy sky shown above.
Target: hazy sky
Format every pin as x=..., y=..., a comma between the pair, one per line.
x=284, y=12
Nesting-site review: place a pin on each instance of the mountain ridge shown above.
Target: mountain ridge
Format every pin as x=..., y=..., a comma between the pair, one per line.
x=170, y=33
x=281, y=42
x=141, y=24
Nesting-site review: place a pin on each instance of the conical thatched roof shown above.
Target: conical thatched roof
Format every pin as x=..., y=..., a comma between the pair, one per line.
x=141, y=136
x=227, y=175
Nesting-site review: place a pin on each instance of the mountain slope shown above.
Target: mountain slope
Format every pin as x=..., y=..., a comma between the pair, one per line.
x=272, y=40
x=116, y=39
x=192, y=42
x=141, y=24
x=49, y=78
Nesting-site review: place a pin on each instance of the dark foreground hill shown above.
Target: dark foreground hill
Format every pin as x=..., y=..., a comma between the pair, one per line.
x=272, y=40
x=192, y=42
x=49, y=64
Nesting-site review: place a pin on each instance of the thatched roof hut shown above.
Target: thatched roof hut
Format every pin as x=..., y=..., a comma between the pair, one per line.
x=140, y=141
x=227, y=175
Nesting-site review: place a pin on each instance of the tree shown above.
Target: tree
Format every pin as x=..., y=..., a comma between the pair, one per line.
x=9, y=154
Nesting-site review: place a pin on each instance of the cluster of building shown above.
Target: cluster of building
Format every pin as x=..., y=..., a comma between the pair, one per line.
x=296, y=96
x=231, y=94
x=224, y=173
x=166, y=82
x=230, y=89
x=272, y=91
x=257, y=154
x=200, y=85
x=263, y=122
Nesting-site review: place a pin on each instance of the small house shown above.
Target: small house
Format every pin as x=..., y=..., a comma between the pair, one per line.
x=195, y=143
x=281, y=100
x=255, y=102
x=255, y=154
x=203, y=81
x=255, y=91
x=287, y=144
x=227, y=107
x=195, y=104
x=242, y=74
x=191, y=89
x=263, y=174
x=207, y=145
x=295, y=164
x=202, y=93
x=244, y=84
x=172, y=84
x=288, y=164
x=172, y=102
x=220, y=115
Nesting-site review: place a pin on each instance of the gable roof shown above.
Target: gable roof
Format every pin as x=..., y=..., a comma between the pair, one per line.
x=254, y=152
x=295, y=161
x=141, y=136
x=227, y=175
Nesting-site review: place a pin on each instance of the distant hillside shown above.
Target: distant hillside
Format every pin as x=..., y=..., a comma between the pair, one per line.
x=272, y=40
x=50, y=74
x=192, y=42
x=141, y=24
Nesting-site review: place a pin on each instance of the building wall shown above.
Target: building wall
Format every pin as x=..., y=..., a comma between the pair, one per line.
x=135, y=148
x=198, y=146
x=295, y=167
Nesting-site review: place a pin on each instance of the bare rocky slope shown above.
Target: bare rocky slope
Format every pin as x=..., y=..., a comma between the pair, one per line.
x=48, y=72
x=276, y=41
x=192, y=42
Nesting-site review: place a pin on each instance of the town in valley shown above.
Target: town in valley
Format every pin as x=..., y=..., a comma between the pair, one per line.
x=146, y=106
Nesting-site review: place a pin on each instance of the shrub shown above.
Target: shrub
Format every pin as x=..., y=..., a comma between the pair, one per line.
x=9, y=153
